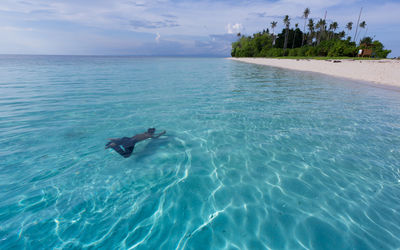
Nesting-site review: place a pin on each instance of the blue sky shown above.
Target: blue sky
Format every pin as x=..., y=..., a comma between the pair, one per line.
x=171, y=27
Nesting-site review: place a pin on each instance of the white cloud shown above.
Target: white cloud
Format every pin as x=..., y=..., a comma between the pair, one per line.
x=233, y=28
x=158, y=37
x=189, y=18
x=12, y=28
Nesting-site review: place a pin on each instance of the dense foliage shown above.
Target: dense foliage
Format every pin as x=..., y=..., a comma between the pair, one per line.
x=318, y=41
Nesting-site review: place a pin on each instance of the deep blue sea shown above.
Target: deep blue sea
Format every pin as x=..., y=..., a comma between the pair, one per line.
x=254, y=157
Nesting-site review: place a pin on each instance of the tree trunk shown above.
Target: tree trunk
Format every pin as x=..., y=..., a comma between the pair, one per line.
x=286, y=39
x=294, y=38
x=304, y=33
x=273, y=37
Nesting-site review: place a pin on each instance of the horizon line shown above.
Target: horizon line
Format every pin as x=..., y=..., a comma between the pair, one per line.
x=113, y=55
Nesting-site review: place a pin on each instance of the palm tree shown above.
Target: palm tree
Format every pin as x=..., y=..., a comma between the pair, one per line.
x=349, y=26
x=366, y=31
x=286, y=21
x=342, y=34
x=306, y=13
x=323, y=29
x=362, y=25
x=333, y=27
x=310, y=26
x=273, y=25
x=317, y=27
x=321, y=26
x=330, y=31
x=294, y=36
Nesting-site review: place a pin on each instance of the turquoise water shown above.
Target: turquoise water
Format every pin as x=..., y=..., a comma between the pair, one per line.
x=254, y=157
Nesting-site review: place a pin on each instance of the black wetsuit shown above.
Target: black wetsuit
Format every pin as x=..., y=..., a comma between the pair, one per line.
x=124, y=146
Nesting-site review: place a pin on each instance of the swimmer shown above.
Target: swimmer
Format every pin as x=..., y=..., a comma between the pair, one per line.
x=125, y=145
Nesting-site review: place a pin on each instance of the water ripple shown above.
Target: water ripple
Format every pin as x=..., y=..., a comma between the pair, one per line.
x=254, y=157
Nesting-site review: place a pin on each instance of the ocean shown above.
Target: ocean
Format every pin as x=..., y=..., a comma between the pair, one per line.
x=254, y=157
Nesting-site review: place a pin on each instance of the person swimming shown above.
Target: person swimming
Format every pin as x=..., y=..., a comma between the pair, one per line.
x=125, y=145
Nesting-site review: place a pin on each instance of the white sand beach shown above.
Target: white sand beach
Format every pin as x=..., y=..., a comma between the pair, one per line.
x=385, y=72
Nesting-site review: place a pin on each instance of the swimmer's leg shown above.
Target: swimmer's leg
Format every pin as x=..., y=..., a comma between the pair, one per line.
x=119, y=150
x=108, y=145
x=128, y=151
x=113, y=142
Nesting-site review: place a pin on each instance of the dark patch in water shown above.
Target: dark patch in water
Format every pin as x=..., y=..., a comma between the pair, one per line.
x=75, y=135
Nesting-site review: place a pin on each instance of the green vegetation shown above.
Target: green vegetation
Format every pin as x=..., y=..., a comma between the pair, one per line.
x=318, y=41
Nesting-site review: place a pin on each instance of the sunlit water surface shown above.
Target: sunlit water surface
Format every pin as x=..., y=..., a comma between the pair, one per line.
x=254, y=157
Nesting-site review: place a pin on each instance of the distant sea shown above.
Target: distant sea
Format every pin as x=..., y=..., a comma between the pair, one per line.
x=254, y=157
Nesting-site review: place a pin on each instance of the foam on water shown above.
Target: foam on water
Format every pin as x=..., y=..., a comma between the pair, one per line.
x=255, y=157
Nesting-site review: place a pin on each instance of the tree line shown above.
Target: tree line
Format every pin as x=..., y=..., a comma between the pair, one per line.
x=316, y=38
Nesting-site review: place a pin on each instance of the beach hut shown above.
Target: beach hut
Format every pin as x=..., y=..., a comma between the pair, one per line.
x=365, y=50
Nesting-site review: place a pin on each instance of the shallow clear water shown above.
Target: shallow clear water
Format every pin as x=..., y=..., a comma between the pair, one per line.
x=255, y=157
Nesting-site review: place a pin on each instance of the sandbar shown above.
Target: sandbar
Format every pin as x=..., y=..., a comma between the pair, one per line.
x=385, y=71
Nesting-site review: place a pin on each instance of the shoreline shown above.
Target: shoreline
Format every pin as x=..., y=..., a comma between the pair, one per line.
x=383, y=72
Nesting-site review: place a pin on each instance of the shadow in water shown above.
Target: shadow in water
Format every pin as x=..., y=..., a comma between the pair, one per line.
x=150, y=147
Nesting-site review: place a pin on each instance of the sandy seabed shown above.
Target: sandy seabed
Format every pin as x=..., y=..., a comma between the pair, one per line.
x=385, y=72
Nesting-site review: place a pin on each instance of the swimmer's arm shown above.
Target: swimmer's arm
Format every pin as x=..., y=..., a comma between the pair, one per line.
x=160, y=134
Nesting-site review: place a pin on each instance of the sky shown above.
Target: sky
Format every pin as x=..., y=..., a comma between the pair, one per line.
x=172, y=27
